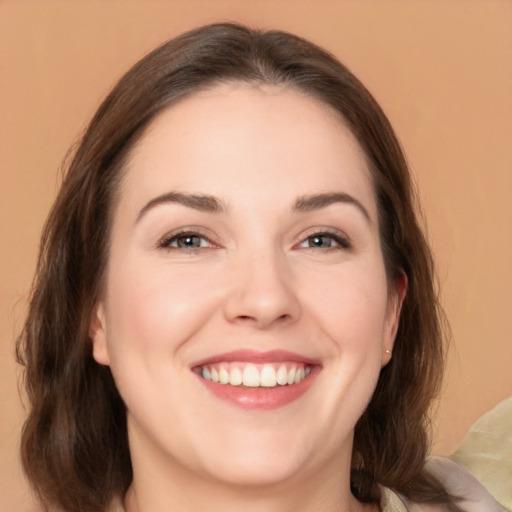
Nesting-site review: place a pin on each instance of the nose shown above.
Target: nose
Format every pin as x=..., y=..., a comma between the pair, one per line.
x=262, y=293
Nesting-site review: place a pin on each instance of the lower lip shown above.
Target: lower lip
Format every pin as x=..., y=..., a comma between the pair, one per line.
x=261, y=398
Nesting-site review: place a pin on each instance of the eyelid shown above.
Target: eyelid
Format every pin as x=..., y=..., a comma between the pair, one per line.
x=339, y=236
x=165, y=241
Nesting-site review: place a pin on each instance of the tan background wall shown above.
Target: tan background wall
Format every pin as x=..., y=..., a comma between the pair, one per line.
x=441, y=70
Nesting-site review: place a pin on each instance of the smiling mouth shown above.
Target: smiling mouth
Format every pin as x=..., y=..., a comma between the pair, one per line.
x=249, y=375
x=254, y=380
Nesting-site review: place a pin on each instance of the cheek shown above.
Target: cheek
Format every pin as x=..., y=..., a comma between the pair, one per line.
x=347, y=308
x=152, y=313
x=350, y=303
x=153, y=310
x=350, y=309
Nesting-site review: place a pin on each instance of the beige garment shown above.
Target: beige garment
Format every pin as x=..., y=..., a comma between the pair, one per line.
x=391, y=502
x=474, y=497
x=486, y=452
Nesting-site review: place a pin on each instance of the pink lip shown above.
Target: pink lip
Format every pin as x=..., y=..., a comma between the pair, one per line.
x=253, y=356
x=259, y=398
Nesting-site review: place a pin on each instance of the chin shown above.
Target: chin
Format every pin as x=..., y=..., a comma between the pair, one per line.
x=259, y=459
x=255, y=471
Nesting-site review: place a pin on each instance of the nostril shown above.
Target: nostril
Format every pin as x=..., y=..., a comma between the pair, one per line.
x=261, y=321
x=261, y=307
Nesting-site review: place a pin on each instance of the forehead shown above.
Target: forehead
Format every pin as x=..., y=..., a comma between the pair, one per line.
x=233, y=136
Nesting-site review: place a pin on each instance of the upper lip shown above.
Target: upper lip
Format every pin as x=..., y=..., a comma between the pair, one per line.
x=257, y=357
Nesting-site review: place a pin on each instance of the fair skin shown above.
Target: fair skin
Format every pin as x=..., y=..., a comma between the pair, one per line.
x=246, y=226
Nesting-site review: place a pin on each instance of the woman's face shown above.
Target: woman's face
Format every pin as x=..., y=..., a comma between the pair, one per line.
x=245, y=250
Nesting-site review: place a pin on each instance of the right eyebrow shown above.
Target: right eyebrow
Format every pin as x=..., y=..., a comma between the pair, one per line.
x=204, y=203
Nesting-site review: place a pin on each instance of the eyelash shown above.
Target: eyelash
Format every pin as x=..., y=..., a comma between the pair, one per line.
x=166, y=242
x=341, y=241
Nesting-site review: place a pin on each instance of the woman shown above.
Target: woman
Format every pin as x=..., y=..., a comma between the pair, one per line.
x=234, y=305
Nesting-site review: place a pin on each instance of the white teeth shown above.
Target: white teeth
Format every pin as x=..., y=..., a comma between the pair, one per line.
x=251, y=376
x=291, y=376
x=268, y=376
x=223, y=376
x=282, y=375
x=235, y=377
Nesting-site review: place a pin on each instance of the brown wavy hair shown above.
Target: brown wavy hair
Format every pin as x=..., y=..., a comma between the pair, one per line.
x=74, y=444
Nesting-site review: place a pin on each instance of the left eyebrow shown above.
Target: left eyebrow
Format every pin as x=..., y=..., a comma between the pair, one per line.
x=318, y=201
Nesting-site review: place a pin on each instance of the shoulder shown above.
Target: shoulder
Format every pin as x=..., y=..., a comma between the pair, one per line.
x=393, y=502
x=474, y=497
x=459, y=482
x=486, y=452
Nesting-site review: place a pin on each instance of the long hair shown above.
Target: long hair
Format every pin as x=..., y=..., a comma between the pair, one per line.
x=74, y=443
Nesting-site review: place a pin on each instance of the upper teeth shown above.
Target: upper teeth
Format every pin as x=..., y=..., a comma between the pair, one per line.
x=252, y=375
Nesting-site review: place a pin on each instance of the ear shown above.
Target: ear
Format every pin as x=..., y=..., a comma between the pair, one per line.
x=98, y=335
x=396, y=299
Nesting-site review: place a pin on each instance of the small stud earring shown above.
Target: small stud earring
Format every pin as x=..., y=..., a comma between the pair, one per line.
x=388, y=351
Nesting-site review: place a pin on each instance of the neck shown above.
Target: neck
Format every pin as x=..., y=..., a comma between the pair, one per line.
x=142, y=499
